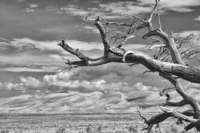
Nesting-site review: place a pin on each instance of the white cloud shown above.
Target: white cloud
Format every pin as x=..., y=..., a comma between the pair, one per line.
x=13, y=86
x=22, y=85
x=73, y=10
x=23, y=54
x=20, y=1
x=32, y=8
x=41, y=45
x=107, y=11
x=30, y=81
x=71, y=80
x=30, y=69
x=61, y=30
x=63, y=80
x=181, y=9
x=174, y=5
x=116, y=10
x=127, y=8
x=197, y=18
x=29, y=10
x=83, y=90
x=91, y=28
x=72, y=101
x=52, y=45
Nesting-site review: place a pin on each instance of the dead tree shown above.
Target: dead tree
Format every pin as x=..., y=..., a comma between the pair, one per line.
x=168, y=61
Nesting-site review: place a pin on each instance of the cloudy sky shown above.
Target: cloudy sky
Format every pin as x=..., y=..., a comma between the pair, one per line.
x=33, y=76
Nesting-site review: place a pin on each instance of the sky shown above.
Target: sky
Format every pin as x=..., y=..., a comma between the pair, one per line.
x=33, y=75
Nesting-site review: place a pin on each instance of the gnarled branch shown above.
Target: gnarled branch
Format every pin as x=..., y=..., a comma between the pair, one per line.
x=171, y=70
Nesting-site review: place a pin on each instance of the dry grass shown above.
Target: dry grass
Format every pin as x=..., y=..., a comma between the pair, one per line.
x=79, y=124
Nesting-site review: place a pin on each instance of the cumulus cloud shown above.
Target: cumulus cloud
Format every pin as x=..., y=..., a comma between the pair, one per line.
x=124, y=8
x=9, y=86
x=91, y=29
x=116, y=10
x=32, y=8
x=107, y=11
x=93, y=101
x=30, y=81
x=64, y=82
x=98, y=89
x=27, y=54
x=52, y=45
x=78, y=90
x=20, y=1
x=177, y=5
x=23, y=85
x=73, y=10
x=24, y=54
x=197, y=18
x=73, y=101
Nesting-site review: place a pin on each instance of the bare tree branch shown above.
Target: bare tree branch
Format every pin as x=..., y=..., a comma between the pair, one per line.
x=153, y=11
x=178, y=115
x=168, y=62
x=84, y=60
x=102, y=31
x=175, y=104
x=169, y=43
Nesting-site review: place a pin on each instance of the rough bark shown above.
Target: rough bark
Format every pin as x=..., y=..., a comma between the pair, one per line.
x=171, y=71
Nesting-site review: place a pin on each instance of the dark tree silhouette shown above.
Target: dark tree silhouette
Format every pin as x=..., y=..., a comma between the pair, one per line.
x=168, y=59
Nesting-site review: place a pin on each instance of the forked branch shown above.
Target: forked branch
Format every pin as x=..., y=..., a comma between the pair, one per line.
x=102, y=31
x=171, y=70
x=84, y=60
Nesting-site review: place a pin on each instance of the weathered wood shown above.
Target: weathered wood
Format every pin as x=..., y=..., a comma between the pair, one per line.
x=171, y=71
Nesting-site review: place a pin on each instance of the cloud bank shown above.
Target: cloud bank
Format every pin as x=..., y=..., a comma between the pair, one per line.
x=117, y=10
x=71, y=92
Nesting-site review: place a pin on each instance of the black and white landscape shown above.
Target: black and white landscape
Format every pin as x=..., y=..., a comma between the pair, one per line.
x=99, y=66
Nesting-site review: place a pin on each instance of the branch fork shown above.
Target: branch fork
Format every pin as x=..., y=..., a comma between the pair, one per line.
x=171, y=70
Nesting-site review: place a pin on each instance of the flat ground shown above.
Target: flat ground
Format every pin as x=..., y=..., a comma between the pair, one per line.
x=71, y=123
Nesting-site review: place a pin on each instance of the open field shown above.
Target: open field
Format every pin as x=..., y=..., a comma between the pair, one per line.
x=74, y=123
